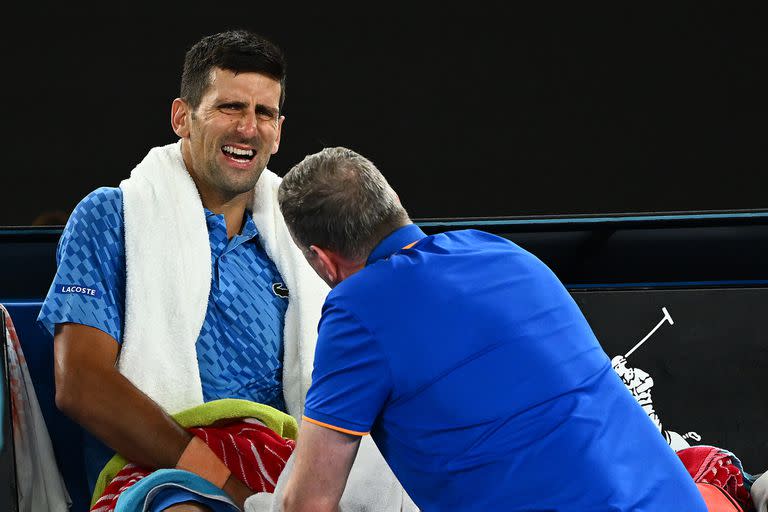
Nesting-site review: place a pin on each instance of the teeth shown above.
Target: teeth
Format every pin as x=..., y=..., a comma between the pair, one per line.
x=238, y=151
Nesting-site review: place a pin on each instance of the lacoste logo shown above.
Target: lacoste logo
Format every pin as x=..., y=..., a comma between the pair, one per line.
x=79, y=289
x=280, y=290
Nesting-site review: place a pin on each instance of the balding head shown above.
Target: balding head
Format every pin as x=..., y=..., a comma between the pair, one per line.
x=338, y=200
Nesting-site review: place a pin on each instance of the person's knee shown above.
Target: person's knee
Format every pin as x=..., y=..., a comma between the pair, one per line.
x=189, y=506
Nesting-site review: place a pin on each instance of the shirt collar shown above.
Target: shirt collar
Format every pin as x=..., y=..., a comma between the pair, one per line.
x=247, y=231
x=395, y=241
x=249, y=228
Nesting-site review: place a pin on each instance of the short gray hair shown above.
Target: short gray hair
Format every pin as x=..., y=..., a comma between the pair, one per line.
x=337, y=199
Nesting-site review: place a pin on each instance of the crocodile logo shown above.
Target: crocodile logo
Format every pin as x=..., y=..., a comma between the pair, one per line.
x=280, y=290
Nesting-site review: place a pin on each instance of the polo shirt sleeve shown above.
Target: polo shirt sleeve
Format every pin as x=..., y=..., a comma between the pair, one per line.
x=351, y=379
x=89, y=285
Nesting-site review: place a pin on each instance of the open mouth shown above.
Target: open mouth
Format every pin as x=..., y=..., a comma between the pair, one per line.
x=238, y=154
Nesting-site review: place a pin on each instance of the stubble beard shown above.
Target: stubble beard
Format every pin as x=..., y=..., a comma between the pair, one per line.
x=234, y=183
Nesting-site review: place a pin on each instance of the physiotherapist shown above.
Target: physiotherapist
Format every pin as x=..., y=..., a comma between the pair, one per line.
x=467, y=361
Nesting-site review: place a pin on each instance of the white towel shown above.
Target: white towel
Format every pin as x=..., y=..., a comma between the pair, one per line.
x=760, y=493
x=366, y=490
x=168, y=280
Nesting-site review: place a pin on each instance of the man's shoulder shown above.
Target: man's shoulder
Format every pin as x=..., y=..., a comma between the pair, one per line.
x=103, y=196
x=99, y=203
x=477, y=237
x=492, y=253
x=100, y=198
x=101, y=211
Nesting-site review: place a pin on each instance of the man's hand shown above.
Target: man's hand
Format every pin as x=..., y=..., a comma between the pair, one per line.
x=91, y=391
x=324, y=458
x=237, y=490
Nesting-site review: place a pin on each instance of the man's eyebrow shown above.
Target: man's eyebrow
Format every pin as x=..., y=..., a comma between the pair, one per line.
x=231, y=103
x=260, y=107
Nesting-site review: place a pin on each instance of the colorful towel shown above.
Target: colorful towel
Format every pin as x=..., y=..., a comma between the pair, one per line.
x=716, y=499
x=39, y=484
x=712, y=465
x=253, y=440
x=152, y=492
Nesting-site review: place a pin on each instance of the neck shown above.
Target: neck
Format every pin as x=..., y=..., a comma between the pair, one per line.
x=220, y=202
x=350, y=267
x=233, y=208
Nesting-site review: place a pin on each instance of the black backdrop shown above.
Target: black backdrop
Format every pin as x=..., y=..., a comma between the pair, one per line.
x=472, y=111
x=708, y=367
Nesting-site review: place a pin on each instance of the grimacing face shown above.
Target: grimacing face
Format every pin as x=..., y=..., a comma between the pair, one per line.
x=233, y=132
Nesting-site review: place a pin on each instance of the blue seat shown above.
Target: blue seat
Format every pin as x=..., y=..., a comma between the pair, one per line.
x=66, y=436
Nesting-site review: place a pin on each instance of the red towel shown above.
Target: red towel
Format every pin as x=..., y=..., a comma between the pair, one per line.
x=717, y=499
x=712, y=465
x=252, y=452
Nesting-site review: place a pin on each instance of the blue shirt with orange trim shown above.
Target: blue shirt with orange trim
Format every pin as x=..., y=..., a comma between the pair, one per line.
x=483, y=385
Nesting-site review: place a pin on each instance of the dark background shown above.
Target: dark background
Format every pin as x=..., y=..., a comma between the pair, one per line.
x=470, y=111
x=708, y=368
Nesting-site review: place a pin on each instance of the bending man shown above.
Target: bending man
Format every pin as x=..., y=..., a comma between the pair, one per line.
x=466, y=360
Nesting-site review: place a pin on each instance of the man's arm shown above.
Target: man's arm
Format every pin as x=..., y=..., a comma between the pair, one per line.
x=324, y=458
x=91, y=391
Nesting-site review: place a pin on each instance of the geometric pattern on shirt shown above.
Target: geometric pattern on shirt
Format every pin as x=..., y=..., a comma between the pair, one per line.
x=240, y=344
x=90, y=253
x=239, y=347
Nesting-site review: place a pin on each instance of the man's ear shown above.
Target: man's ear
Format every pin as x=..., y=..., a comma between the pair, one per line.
x=180, y=114
x=327, y=264
x=276, y=144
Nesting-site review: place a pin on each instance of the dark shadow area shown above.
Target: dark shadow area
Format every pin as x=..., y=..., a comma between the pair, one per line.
x=500, y=110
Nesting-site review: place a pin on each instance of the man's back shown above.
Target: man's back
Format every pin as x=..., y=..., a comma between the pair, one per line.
x=494, y=393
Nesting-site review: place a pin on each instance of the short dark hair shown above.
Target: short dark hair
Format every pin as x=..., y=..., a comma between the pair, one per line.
x=337, y=199
x=239, y=51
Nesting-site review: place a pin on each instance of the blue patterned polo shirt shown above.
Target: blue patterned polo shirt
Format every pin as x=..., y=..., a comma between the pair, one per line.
x=240, y=346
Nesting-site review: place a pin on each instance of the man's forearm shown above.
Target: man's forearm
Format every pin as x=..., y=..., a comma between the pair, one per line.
x=110, y=407
x=324, y=459
x=91, y=391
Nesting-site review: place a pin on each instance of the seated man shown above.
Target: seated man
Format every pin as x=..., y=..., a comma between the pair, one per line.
x=183, y=286
x=466, y=360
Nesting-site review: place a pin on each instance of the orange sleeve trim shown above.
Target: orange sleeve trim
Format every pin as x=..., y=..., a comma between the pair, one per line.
x=333, y=427
x=411, y=244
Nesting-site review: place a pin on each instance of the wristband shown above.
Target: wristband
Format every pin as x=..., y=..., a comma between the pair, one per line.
x=199, y=459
